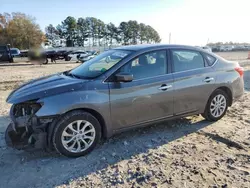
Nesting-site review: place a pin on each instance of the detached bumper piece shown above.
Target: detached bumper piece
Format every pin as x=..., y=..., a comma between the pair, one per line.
x=26, y=132
x=22, y=139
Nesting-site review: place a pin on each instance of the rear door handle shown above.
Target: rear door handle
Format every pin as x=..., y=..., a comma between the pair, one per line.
x=165, y=87
x=208, y=79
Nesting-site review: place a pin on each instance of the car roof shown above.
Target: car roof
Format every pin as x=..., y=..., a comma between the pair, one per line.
x=15, y=49
x=143, y=47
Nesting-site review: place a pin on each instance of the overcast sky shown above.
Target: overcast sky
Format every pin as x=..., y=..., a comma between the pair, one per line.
x=191, y=22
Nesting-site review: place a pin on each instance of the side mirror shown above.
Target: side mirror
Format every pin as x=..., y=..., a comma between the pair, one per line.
x=124, y=77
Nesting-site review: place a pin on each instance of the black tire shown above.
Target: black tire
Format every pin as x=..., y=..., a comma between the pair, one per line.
x=11, y=60
x=45, y=61
x=67, y=58
x=66, y=120
x=207, y=114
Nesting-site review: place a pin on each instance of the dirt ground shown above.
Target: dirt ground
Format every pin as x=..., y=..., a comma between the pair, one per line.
x=238, y=56
x=188, y=152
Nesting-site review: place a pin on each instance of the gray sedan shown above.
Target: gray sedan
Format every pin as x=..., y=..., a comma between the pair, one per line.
x=120, y=89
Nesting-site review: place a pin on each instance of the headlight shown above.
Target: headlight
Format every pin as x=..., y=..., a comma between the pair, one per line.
x=26, y=109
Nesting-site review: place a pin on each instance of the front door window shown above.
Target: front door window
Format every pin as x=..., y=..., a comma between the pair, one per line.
x=147, y=65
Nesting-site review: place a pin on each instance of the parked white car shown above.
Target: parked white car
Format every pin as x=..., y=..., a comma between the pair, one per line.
x=91, y=55
x=226, y=48
x=15, y=52
x=86, y=54
x=75, y=55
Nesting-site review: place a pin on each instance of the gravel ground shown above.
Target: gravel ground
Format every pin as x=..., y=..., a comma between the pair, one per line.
x=188, y=152
x=238, y=56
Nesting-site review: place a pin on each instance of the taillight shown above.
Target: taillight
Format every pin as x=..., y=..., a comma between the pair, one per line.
x=240, y=70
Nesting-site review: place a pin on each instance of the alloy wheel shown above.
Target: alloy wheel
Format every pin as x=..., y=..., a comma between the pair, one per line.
x=218, y=105
x=78, y=136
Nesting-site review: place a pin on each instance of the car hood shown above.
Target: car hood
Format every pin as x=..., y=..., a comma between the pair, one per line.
x=44, y=87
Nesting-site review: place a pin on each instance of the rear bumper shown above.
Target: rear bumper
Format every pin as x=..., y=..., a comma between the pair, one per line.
x=237, y=89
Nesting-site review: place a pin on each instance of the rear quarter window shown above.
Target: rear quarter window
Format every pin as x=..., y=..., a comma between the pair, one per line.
x=210, y=59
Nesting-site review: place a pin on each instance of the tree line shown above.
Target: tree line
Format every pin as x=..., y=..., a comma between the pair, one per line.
x=95, y=32
x=20, y=31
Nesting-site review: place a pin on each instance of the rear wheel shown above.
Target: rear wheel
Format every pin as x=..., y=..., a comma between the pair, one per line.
x=76, y=134
x=11, y=60
x=217, y=106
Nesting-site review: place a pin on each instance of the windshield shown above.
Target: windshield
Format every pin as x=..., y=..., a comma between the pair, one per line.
x=99, y=64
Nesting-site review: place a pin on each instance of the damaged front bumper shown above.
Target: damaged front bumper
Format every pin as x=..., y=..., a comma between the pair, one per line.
x=26, y=130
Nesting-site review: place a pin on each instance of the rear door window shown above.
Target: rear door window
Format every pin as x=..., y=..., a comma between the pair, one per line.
x=184, y=60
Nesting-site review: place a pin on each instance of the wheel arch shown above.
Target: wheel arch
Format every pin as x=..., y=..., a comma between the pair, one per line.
x=97, y=115
x=228, y=91
x=224, y=89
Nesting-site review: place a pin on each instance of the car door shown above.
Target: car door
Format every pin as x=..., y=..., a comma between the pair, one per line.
x=148, y=97
x=194, y=80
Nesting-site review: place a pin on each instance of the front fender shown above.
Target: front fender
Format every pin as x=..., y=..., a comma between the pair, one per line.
x=62, y=103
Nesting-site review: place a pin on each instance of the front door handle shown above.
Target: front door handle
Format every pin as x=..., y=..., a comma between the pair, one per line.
x=165, y=87
x=208, y=79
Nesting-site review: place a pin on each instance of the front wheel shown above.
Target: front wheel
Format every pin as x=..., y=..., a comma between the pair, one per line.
x=67, y=58
x=76, y=134
x=217, y=106
x=45, y=61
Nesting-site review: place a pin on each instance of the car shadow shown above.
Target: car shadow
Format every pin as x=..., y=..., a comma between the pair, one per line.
x=4, y=121
x=223, y=140
x=120, y=147
x=247, y=80
x=14, y=64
